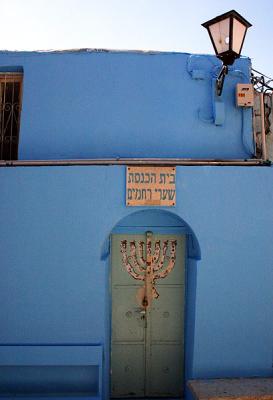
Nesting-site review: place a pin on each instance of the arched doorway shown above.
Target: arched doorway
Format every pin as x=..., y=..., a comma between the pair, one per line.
x=149, y=253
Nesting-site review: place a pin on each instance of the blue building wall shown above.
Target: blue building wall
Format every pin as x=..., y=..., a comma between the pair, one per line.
x=55, y=270
x=56, y=221
x=90, y=104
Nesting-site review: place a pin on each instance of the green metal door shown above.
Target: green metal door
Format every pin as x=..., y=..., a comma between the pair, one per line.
x=148, y=285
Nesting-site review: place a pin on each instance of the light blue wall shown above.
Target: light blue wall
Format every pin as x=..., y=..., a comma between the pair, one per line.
x=90, y=104
x=55, y=222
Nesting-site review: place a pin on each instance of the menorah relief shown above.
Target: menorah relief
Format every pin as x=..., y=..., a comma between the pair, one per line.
x=155, y=266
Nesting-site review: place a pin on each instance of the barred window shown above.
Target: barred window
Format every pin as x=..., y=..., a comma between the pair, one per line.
x=10, y=109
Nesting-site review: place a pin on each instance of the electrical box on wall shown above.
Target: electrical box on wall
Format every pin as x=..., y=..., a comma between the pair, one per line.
x=244, y=95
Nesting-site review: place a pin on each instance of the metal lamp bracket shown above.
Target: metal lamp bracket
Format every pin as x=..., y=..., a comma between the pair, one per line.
x=220, y=79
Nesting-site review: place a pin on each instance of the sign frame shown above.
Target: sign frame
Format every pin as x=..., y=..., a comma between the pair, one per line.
x=150, y=186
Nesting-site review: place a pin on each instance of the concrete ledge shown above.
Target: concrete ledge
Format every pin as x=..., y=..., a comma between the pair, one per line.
x=226, y=389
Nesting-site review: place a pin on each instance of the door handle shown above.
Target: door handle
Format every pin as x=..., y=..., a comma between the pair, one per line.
x=140, y=311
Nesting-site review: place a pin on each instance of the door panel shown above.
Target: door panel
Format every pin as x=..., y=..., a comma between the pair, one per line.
x=166, y=378
x=127, y=322
x=166, y=320
x=147, y=354
x=128, y=370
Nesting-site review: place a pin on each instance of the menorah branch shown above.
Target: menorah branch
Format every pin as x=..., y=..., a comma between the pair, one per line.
x=151, y=269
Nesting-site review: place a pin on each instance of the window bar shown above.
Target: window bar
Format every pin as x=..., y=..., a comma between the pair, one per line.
x=2, y=117
x=1, y=111
x=11, y=122
x=10, y=107
x=3, y=100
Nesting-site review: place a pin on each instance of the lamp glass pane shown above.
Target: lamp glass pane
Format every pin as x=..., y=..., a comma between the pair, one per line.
x=238, y=35
x=220, y=35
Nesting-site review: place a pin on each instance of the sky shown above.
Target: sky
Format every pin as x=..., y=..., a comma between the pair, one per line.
x=163, y=25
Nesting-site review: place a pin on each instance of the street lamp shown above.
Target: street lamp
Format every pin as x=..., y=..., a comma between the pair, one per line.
x=227, y=34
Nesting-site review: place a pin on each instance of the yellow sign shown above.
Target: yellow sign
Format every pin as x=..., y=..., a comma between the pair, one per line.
x=150, y=186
